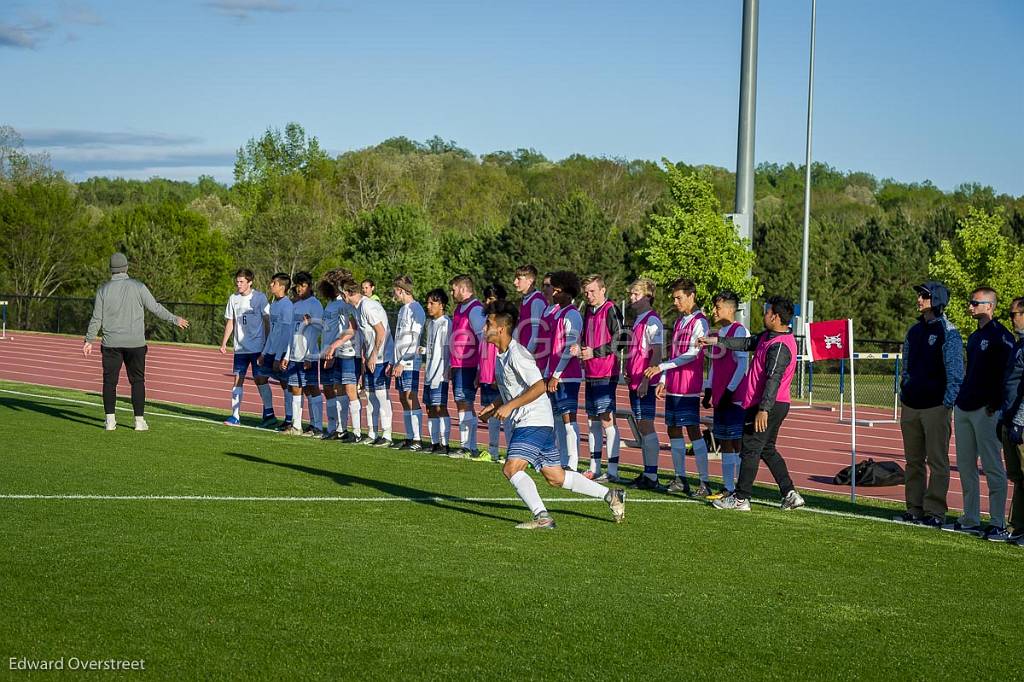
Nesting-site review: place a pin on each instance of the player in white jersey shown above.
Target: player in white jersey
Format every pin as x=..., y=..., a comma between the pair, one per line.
x=438, y=366
x=247, y=323
x=378, y=351
x=279, y=338
x=341, y=365
x=406, y=368
x=302, y=364
x=522, y=399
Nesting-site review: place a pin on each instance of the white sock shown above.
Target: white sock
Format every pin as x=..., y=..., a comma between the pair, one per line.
x=700, y=453
x=678, y=456
x=650, y=446
x=355, y=412
x=433, y=426
x=236, y=401
x=372, y=415
x=385, y=411
x=297, y=411
x=527, y=491
x=730, y=466
x=493, y=435
x=611, y=437
x=407, y=423
x=416, y=420
x=578, y=483
x=572, y=445
x=316, y=411
x=463, y=428
x=560, y=441
x=267, y=395
x=471, y=423
x=332, y=414
x=595, y=436
x=446, y=429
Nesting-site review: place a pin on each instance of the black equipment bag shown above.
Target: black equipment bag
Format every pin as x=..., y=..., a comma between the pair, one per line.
x=872, y=473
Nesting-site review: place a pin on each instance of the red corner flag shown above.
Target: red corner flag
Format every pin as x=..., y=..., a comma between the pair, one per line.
x=829, y=340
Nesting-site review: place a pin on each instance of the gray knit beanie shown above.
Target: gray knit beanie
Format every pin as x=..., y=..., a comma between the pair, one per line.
x=118, y=263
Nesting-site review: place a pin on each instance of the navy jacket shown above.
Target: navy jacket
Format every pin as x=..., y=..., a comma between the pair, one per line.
x=988, y=350
x=933, y=364
x=1013, y=387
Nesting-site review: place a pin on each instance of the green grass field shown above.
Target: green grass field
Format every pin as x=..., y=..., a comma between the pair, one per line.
x=413, y=569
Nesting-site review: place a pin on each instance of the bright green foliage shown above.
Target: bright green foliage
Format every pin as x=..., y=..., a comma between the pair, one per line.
x=392, y=241
x=980, y=254
x=694, y=240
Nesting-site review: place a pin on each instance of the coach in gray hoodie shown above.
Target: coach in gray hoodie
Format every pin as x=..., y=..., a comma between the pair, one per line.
x=119, y=310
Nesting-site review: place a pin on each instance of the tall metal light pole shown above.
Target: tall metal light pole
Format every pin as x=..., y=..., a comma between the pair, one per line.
x=807, y=180
x=744, y=218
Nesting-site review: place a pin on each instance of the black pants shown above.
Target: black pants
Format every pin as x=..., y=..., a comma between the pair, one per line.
x=758, y=446
x=134, y=360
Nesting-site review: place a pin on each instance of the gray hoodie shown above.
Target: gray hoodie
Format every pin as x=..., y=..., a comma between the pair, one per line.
x=119, y=309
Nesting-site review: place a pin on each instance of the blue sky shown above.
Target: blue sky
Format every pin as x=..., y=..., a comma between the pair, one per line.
x=908, y=89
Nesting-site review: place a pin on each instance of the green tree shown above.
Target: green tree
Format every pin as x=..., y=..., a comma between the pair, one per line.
x=979, y=254
x=273, y=155
x=694, y=240
x=396, y=240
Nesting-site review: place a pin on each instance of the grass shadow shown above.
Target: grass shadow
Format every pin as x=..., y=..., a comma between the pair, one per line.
x=73, y=414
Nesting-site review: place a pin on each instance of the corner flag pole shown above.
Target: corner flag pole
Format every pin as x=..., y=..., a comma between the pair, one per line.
x=853, y=418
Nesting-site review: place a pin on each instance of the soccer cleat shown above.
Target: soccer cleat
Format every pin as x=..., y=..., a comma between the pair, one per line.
x=931, y=522
x=957, y=527
x=293, y=432
x=381, y=442
x=482, y=456
x=140, y=424
x=435, y=448
x=286, y=425
x=366, y=440
x=600, y=478
x=313, y=433
x=679, y=485
x=110, y=423
x=1016, y=537
x=616, y=500
x=232, y=421
x=307, y=428
x=732, y=502
x=906, y=517
x=642, y=482
x=398, y=444
x=330, y=435
x=348, y=437
x=541, y=521
x=720, y=494
x=792, y=500
x=996, y=534
x=703, y=490
x=461, y=453
x=612, y=478
x=416, y=447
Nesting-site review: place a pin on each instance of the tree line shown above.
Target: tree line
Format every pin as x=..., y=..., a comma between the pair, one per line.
x=433, y=209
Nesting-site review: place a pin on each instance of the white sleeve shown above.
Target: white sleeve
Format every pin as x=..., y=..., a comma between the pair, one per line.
x=435, y=355
x=742, y=359
x=692, y=349
x=526, y=368
x=229, y=313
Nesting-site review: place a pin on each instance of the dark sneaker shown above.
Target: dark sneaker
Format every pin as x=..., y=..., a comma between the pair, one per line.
x=313, y=433
x=232, y=421
x=397, y=445
x=269, y=422
x=285, y=426
x=792, y=500
x=461, y=453
x=616, y=500
x=540, y=522
x=703, y=490
x=1016, y=537
x=724, y=492
x=307, y=428
x=733, y=503
x=348, y=437
x=642, y=482
x=906, y=517
x=996, y=534
x=330, y=435
x=435, y=448
x=381, y=442
x=600, y=478
x=957, y=527
x=416, y=447
x=610, y=478
x=366, y=440
x=931, y=522
x=679, y=485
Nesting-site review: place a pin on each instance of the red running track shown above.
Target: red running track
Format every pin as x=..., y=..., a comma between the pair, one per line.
x=814, y=445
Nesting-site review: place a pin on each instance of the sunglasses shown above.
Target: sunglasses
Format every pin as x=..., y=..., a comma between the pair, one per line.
x=974, y=304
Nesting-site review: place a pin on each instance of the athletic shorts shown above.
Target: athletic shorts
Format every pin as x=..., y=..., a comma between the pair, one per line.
x=566, y=400
x=266, y=369
x=488, y=394
x=297, y=375
x=408, y=381
x=727, y=422
x=329, y=376
x=347, y=370
x=463, y=379
x=643, y=408
x=600, y=397
x=242, y=361
x=435, y=397
x=536, y=445
x=378, y=378
x=682, y=410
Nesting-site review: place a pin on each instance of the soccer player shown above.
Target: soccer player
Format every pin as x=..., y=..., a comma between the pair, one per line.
x=438, y=366
x=602, y=333
x=247, y=323
x=486, y=384
x=368, y=288
x=644, y=353
x=406, y=368
x=337, y=332
x=766, y=397
x=279, y=339
x=521, y=399
x=302, y=364
x=728, y=367
x=345, y=350
x=530, y=309
x=682, y=379
x=378, y=350
x=467, y=334
x=565, y=370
